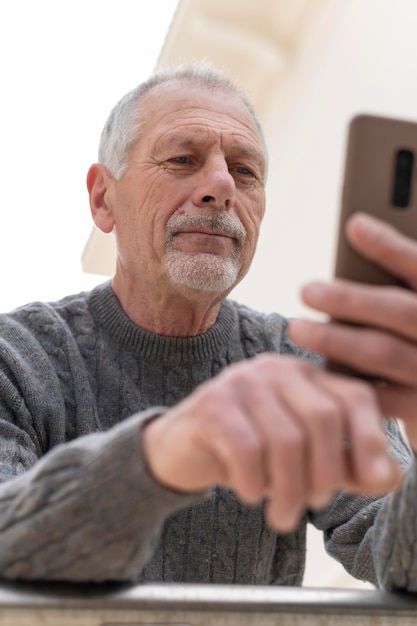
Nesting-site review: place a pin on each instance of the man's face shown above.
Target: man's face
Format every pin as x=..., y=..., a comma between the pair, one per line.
x=188, y=208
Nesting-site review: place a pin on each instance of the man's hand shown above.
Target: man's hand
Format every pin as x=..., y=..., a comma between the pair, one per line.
x=278, y=428
x=384, y=343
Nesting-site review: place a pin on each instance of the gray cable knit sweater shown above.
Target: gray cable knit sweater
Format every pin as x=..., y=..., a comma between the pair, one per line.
x=77, y=381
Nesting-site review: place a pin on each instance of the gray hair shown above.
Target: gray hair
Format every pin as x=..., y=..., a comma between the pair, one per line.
x=123, y=126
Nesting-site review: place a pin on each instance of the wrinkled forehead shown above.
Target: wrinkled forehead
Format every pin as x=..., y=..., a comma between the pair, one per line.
x=169, y=102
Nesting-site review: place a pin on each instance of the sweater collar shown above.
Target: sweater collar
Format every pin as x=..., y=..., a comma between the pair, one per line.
x=107, y=310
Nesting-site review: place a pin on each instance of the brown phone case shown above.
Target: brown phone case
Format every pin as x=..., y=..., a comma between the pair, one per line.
x=375, y=144
x=377, y=182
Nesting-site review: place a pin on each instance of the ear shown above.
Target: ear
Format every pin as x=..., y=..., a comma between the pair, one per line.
x=98, y=180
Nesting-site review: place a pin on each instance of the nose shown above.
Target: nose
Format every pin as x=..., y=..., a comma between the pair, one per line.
x=215, y=187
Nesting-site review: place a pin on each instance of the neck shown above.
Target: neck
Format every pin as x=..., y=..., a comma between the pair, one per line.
x=170, y=314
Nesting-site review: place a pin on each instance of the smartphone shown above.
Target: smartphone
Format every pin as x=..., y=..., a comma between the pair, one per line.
x=380, y=178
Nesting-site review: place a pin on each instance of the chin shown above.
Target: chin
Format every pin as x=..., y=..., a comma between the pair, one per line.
x=205, y=273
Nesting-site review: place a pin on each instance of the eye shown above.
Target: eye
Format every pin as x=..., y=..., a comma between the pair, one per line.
x=244, y=170
x=180, y=159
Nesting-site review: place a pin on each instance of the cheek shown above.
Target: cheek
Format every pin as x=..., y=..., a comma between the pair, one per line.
x=253, y=214
x=161, y=197
x=138, y=207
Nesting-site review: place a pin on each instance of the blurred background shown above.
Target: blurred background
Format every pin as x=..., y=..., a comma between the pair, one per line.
x=308, y=66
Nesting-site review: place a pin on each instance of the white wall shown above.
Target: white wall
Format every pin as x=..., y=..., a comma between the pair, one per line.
x=63, y=66
x=368, y=64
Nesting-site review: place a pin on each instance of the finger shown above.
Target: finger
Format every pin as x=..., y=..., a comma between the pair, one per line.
x=379, y=241
x=284, y=455
x=322, y=416
x=302, y=426
x=391, y=308
x=372, y=468
x=240, y=451
x=382, y=243
x=371, y=352
x=287, y=463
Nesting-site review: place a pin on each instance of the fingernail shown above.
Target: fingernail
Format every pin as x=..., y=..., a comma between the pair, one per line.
x=363, y=220
x=313, y=293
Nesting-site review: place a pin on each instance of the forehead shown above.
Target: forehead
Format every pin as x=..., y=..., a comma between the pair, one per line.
x=185, y=109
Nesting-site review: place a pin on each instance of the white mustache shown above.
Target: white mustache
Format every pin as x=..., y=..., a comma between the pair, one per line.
x=220, y=222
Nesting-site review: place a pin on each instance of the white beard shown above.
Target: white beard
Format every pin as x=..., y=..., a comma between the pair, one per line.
x=203, y=271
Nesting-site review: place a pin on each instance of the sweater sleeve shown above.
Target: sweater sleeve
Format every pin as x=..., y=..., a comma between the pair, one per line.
x=375, y=539
x=89, y=510
x=72, y=508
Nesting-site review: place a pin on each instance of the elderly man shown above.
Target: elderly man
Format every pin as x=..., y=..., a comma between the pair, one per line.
x=155, y=430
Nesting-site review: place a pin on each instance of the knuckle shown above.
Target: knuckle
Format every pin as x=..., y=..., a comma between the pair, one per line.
x=269, y=365
x=360, y=392
x=281, y=363
x=325, y=415
x=368, y=440
x=247, y=446
x=240, y=376
x=267, y=359
x=213, y=400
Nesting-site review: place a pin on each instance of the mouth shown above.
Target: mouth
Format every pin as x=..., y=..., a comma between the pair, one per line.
x=205, y=232
x=203, y=229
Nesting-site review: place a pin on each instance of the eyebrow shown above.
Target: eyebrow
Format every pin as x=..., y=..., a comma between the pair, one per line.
x=242, y=149
x=182, y=142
